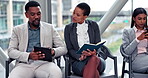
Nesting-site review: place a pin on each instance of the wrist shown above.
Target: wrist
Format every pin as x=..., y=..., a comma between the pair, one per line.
x=52, y=52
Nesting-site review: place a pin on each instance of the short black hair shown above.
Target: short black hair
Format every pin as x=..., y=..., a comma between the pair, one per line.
x=85, y=7
x=31, y=4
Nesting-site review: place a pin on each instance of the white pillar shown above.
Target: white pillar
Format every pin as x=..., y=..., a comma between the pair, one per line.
x=10, y=16
x=111, y=14
x=46, y=10
x=59, y=13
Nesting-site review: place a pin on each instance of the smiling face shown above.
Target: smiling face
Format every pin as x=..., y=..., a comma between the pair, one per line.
x=34, y=16
x=78, y=16
x=140, y=21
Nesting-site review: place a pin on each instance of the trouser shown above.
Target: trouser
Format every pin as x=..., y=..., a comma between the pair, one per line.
x=36, y=70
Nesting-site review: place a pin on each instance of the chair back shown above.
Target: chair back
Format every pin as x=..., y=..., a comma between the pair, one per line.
x=128, y=59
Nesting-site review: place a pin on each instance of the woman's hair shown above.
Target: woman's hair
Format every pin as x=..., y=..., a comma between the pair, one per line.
x=85, y=7
x=136, y=12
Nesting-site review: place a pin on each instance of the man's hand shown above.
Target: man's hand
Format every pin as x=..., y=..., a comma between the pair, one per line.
x=36, y=55
x=52, y=52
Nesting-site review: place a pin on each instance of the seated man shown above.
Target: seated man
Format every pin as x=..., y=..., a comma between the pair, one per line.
x=35, y=33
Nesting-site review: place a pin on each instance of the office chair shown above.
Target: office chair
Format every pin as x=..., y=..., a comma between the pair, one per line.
x=128, y=59
x=104, y=54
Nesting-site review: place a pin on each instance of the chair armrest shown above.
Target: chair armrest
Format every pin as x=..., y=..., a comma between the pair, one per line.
x=8, y=61
x=123, y=52
x=108, y=52
x=67, y=66
x=58, y=61
x=114, y=58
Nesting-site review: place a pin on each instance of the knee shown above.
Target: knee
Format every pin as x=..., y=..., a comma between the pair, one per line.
x=94, y=59
x=55, y=73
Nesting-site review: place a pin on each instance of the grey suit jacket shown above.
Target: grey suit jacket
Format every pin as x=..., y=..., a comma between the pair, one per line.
x=129, y=42
x=71, y=41
x=48, y=38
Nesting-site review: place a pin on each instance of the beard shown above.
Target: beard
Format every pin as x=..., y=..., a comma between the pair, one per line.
x=35, y=23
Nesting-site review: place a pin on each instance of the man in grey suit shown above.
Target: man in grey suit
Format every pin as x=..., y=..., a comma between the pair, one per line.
x=35, y=33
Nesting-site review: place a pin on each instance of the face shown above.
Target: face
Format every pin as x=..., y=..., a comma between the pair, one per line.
x=34, y=16
x=78, y=16
x=140, y=21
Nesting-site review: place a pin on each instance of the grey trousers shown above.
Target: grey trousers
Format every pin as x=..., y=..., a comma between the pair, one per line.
x=36, y=69
x=140, y=63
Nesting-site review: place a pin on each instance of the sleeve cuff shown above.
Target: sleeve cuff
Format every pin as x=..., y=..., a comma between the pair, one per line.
x=137, y=40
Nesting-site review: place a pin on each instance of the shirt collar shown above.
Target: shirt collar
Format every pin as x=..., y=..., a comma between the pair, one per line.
x=31, y=28
x=81, y=24
x=136, y=30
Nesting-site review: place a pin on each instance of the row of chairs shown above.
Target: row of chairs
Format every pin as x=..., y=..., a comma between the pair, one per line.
x=127, y=59
x=68, y=73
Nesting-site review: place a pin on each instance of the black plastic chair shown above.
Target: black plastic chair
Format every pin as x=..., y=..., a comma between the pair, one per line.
x=128, y=59
x=106, y=53
x=58, y=59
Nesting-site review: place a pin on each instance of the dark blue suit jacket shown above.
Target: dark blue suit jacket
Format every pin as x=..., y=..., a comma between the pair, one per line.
x=71, y=41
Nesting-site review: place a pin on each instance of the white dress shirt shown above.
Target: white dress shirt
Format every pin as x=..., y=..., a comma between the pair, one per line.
x=82, y=34
x=142, y=43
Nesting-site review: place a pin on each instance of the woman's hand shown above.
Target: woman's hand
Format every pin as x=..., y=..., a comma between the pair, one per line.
x=87, y=53
x=144, y=35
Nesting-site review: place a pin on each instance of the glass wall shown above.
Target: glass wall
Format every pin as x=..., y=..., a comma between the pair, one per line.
x=98, y=9
x=3, y=16
x=18, y=12
x=18, y=18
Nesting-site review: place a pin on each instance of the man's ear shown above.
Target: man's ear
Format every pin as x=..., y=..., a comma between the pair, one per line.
x=26, y=14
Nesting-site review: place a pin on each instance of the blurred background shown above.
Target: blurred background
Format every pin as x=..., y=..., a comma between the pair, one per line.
x=58, y=12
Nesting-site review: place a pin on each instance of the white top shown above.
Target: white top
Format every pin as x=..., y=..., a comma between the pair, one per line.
x=82, y=34
x=142, y=43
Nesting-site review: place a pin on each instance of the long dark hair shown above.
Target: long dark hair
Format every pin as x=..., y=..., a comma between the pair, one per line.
x=136, y=12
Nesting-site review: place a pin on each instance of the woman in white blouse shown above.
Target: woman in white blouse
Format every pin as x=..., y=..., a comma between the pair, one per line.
x=78, y=33
x=135, y=41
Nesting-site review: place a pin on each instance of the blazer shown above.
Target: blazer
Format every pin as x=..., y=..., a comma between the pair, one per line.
x=71, y=41
x=48, y=38
x=129, y=42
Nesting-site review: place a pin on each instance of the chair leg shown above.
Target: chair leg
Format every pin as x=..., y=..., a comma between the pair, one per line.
x=66, y=67
x=115, y=67
x=59, y=61
x=7, y=69
x=130, y=68
x=123, y=68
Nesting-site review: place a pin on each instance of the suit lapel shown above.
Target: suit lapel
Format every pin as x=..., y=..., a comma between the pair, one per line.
x=25, y=36
x=42, y=32
x=90, y=32
x=74, y=35
x=134, y=35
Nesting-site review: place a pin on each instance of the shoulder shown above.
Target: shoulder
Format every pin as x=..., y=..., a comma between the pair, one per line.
x=45, y=24
x=91, y=22
x=70, y=26
x=128, y=30
x=20, y=27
